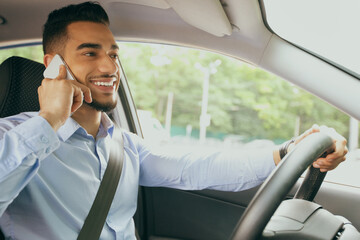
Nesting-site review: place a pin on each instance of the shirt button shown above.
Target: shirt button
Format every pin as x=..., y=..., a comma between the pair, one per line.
x=47, y=150
x=44, y=139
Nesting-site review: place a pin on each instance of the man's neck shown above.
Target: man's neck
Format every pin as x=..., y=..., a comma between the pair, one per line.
x=88, y=118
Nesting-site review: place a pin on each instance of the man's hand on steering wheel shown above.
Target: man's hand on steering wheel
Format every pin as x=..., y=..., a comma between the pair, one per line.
x=337, y=153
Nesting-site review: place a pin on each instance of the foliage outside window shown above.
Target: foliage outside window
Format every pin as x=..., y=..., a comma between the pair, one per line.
x=242, y=99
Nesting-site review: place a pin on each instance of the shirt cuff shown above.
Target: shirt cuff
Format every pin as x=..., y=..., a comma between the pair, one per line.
x=37, y=136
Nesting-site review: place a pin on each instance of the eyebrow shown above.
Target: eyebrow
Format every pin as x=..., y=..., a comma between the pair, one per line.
x=95, y=46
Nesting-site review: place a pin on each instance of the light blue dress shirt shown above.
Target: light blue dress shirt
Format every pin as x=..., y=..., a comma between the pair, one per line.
x=48, y=180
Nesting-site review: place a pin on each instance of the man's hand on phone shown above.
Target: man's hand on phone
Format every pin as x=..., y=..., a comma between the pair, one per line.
x=59, y=98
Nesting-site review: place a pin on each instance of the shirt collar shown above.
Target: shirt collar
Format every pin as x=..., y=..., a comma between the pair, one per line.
x=106, y=126
x=71, y=126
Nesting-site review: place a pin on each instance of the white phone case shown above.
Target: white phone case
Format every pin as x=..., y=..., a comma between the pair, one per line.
x=52, y=71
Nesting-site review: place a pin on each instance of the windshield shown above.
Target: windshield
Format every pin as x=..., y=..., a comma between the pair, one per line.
x=327, y=28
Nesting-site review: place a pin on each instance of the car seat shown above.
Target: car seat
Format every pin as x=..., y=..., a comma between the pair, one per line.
x=19, y=81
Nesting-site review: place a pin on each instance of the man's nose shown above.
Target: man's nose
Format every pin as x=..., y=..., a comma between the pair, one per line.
x=108, y=65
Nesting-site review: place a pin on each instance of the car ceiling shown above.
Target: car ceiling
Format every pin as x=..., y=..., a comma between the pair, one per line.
x=231, y=27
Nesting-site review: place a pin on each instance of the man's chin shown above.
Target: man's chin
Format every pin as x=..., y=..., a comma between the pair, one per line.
x=101, y=107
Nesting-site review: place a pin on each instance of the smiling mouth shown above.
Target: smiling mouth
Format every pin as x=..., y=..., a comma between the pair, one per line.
x=105, y=84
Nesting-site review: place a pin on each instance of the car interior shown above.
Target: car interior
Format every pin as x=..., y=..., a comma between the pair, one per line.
x=286, y=206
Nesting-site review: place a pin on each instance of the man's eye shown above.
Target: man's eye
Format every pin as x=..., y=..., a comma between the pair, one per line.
x=90, y=54
x=115, y=56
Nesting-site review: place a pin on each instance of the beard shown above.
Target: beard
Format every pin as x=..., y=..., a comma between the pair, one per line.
x=102, y=107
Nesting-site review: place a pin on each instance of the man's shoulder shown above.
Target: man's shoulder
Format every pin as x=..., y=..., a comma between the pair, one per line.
x=129, y=135
x=131, y=140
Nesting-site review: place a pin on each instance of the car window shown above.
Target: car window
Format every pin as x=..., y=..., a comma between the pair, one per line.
x=31, y=52
x=332, y=36
x=198, y=99
x=192, y=98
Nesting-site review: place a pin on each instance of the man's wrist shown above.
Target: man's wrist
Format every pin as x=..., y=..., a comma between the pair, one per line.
x=276, y=156
x=284, y=148
x=53, y=121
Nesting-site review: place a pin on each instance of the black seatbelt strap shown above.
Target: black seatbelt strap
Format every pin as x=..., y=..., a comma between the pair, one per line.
x=95, y=220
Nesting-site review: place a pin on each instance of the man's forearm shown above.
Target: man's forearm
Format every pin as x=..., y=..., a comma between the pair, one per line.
x=21, y=149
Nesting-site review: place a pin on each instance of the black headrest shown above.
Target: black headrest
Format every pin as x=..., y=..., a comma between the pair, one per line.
x=19, y=81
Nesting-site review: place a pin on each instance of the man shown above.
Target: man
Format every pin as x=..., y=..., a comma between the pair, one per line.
x=52, y=162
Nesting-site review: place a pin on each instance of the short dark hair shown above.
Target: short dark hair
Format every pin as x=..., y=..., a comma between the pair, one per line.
x=54, y=32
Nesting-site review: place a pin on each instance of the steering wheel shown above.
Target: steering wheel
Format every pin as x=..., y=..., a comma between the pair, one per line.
x=279, y=183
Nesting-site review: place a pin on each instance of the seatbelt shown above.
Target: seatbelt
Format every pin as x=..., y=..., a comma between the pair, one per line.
x=95, y=220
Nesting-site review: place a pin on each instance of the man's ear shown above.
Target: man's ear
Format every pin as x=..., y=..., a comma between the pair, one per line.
x=47, y=59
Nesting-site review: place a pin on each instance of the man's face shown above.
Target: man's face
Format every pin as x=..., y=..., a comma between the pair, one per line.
x=91, y=53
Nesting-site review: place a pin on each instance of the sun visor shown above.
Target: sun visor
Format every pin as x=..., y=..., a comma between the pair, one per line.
x=207, y=15
x=150, y=3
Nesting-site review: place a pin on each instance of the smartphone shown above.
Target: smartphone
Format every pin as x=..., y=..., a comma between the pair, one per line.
x=52, y=71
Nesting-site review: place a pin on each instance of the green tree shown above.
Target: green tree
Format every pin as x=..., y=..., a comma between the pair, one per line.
x=242, y=99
